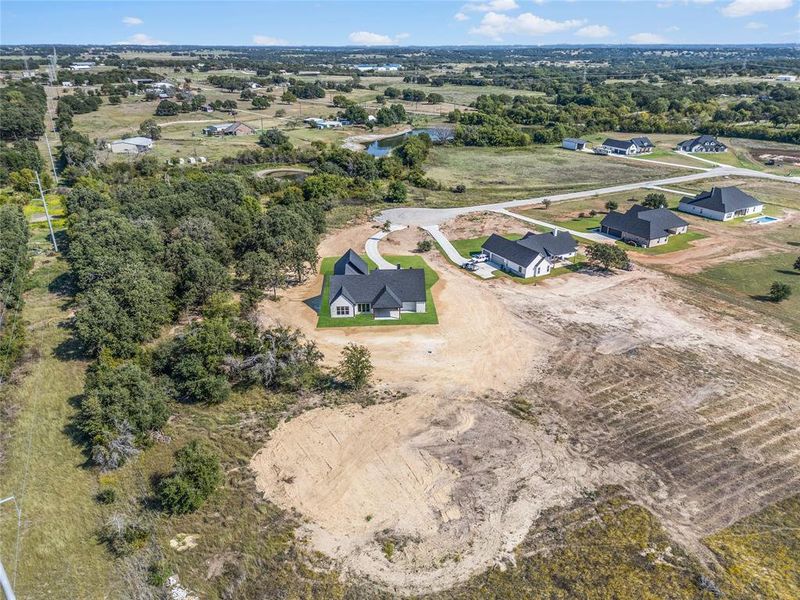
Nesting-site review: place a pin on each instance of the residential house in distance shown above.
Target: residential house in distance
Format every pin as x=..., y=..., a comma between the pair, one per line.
x=633, y=146
x=318, y=123
x=81, y=66
x=786, y=78
x=721, y=204
x=532, y=256
x=235, y=128
x=383, y=293
x=133, y=145
x=378, y=68
x=646, y=227
x=573, y=144
x=704, y=143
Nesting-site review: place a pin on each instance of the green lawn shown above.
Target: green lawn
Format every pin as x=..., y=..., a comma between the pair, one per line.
x=748, y=282
x=471, y=246
x=675, y=243
x=429, y=317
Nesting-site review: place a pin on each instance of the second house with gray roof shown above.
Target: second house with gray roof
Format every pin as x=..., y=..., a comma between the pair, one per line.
x=642, y=226
x=721, y=204
x=532, y=256
x=383, y=293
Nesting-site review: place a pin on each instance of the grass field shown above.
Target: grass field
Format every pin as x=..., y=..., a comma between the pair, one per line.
x=473, y=246
x=748, y=281
x=429, y=317
x=761, y=554
x=494, y=174
x=44, y=467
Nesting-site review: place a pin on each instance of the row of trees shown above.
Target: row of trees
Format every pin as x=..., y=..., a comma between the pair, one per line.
x=413, y=95
x=14, y=265
x=768, y=112
x=22, y=109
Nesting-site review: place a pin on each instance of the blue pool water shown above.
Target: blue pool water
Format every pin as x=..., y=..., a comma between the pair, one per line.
x=763, y=220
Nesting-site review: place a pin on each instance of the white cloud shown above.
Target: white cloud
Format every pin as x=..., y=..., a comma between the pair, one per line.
x=743, y=8
x=460, y=16
x=368, y=38
x=594, y=31
x=491, y=6
x=672, y=28
x=266, y=40
x=142, y=39
x=647, y=38
x=755, y=25
x=495, y=25
x=132, y=21
x=402, y=36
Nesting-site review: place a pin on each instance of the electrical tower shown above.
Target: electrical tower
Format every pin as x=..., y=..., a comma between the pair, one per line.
x=52, y=68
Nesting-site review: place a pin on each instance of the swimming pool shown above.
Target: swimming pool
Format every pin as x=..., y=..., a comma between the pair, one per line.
x=763, y=220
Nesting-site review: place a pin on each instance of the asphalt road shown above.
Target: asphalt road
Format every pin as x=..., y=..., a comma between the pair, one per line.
x=436, y=216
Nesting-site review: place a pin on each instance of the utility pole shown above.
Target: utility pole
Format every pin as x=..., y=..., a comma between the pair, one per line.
x=46, y=211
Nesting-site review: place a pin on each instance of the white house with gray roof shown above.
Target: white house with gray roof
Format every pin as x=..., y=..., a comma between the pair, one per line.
x=383, y=293
x=633, y=146
x=532, y=256
x=721, y=204
x=646, y=227
x=703, y=143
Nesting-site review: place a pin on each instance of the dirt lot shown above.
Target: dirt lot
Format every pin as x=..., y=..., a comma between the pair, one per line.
x=622, y=379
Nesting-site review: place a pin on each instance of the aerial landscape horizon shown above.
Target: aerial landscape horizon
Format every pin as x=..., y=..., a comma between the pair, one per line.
x=450, y=300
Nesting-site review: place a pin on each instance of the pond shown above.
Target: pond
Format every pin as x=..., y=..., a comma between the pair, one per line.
x=383, y=147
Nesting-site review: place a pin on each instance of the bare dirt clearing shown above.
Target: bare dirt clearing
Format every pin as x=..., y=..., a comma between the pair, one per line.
x=626, y=381
x=454, y=486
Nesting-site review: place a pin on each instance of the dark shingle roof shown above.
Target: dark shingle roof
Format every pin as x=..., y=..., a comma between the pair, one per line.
x=510, y=250
x=643, y=222
x=703, y=140
x=350, y=264
x=642, y=142
x=384, y=285
x=550, y=244
x=621, y=144
x=724, y=200
x=387, y=299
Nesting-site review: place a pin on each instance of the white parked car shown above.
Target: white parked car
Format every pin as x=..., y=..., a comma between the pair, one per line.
x=482, y=257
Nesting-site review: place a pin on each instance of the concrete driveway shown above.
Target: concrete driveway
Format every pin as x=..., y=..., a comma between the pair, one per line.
x=484, y=271
x=371, y=246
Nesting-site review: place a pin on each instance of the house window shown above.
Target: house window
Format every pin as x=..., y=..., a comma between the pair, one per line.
x=342, y=311
x=362, y=308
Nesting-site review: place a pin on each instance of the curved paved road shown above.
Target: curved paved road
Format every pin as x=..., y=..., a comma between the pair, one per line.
x=437, y=216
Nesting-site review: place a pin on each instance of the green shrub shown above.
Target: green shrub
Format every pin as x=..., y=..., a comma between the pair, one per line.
x=106, y=496
x=197, y=474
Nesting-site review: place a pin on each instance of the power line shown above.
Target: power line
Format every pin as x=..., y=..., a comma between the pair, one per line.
x=46, y=212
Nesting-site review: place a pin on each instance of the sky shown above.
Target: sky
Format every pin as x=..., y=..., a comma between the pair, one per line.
x=399, y=22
